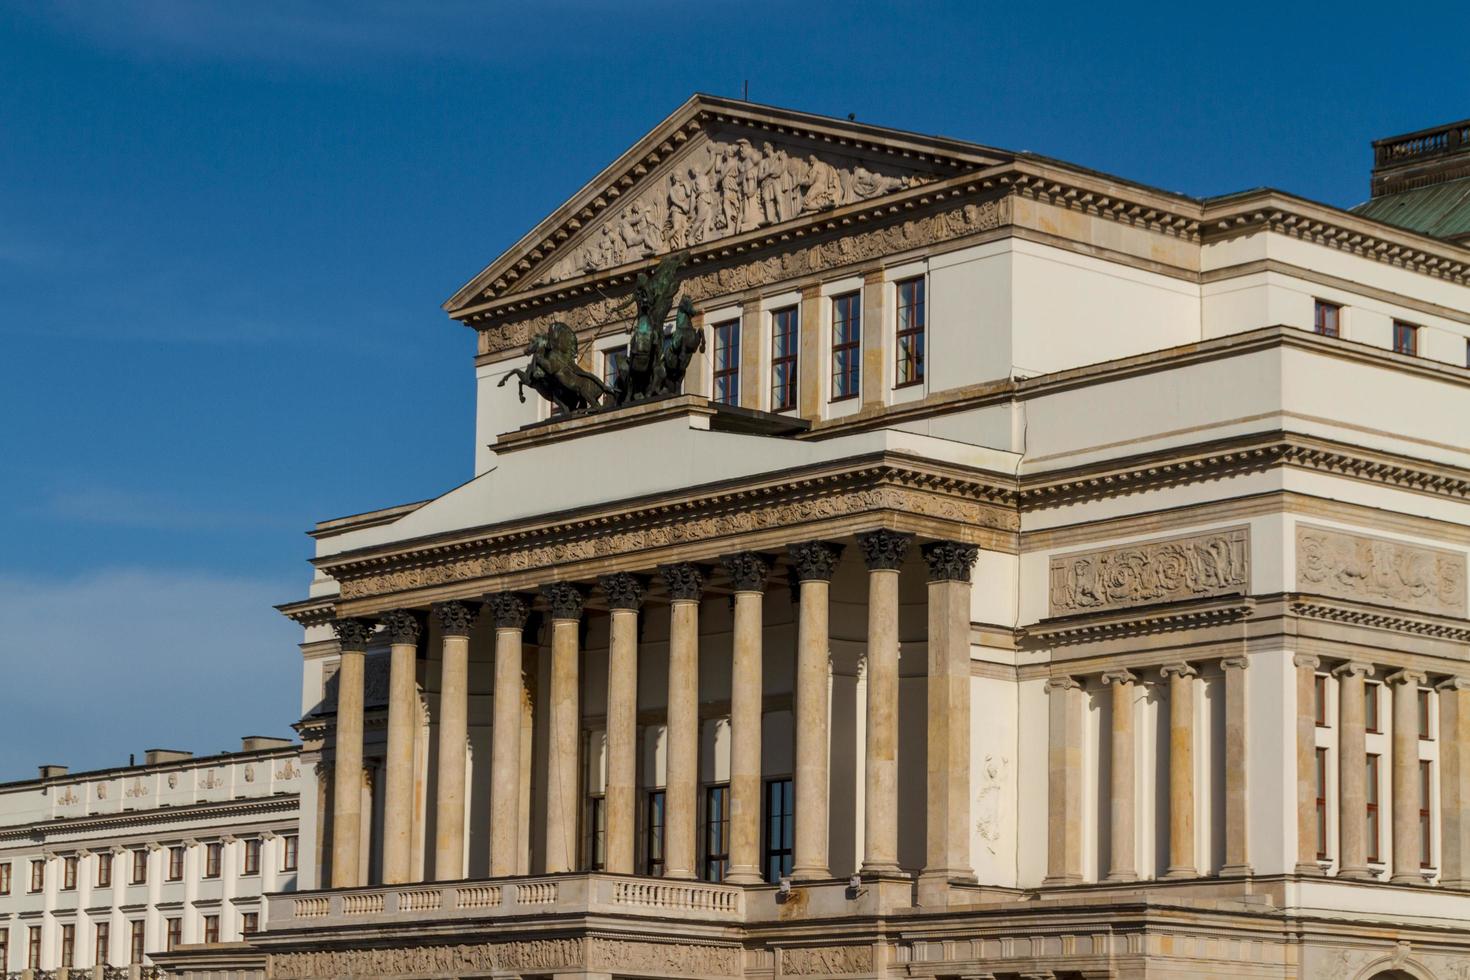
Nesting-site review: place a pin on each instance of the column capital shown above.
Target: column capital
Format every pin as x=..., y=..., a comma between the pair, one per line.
x=1181, y=668
x=1306, y=660
x=814, y=561
x=1353, y=668
x=456, y=618
x=950, y=561
x=1234, y=663
x=403, y=626
x=884, y=549
x=1119, y=676
x=565, y=598
x=353, y=634
x=1062, y=684
x=624, y=590
x=1456, y=683
x=684, y=580
x=748, y=570
x=508, y=610
x=1406, y=676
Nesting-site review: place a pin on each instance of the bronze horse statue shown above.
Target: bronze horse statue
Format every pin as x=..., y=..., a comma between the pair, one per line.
x=679, y=348
x=643, y=372
x=555, y=375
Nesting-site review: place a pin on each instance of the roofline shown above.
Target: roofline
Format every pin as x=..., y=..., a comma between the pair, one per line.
x=194, y=760
x=1426, y=131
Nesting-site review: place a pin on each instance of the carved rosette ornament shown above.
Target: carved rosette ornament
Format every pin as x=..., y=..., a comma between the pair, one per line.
x=684, y=580
x=748, y=570
x=565, y=599
x=950, y=561
x=884, y=549
x=814, y=561
x=456, y=618
x=403, y=627
x=623, y=590
x=509, y=610
x=353, y=635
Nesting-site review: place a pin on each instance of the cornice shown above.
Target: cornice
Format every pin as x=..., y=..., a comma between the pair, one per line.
x=1373, y=616
x=1146, y=620
x=41, y=829
x=316, y=611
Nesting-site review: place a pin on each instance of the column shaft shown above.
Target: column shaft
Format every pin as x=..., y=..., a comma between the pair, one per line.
x=624, y=594
x=347, y=766
x=454, y=693
x=1454, y=787
x=563, y=750
x=880, y=800
x=1182, y=863
x=1122, y=861
x=1406, y=840
x=1064, y=782
x=510, y=612
x=1306, y=764
x=1237, y=768
x=681, y=790
x=747, y=576
x=1352, y=756
x=813, y=563
x=398, y=795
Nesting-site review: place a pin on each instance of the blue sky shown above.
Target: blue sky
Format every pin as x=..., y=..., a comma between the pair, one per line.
x=226, y=229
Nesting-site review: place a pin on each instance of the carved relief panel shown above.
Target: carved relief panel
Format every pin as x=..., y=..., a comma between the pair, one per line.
x=1380, y=570
x=1193, y=566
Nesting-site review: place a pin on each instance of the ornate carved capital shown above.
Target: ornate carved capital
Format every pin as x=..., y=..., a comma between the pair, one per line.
x=456, y=618
x=1406, y=676
x=1310, y=660
x=353, y=634
x=565, y=599
x=623, y=590
x=814, y=561
x=950, y=561
x=509, y=610
x=403, y=626
x=1234, y=663
x=1181, y=669
x=1451, y=684
x=748, y=570
x=1353, y=667
x=685, y=580
x=884, y=549
x=1119, y=676
x=1062, y=684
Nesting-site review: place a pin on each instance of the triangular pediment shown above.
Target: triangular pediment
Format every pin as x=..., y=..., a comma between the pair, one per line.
x=717, y=170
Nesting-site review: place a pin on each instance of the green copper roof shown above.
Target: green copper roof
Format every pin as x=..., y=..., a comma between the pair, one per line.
x=1440, y=210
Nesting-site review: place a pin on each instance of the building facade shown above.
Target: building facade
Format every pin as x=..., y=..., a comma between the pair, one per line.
x=101, y=870
x=1039, y=575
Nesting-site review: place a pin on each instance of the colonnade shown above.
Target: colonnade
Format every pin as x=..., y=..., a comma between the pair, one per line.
x=812, y=564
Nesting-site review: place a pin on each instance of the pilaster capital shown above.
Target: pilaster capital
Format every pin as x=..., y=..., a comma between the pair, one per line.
x=565, y=599
x=684, y=580
x=1119, y=676
x=403, y=626
x=1181, y=669
x=353, y=635
x=1234, y=663
x=456, y=618
x=1353, y=668
x=814, y=561
x=509, y=610
x=1456, y=683
x=1309, y=660
x=1406, y=676
x=1062, y=684
x=884, y=549
x=748, y=570
x=624, y=590
x=950, y=561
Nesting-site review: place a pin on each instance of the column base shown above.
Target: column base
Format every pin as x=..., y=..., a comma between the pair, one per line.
x=679, y=875
x=1313, y=870
x=809, y=874
x=1355, y=874
x=744, y=876
x=1236, y=871
x=933, y=890
x=1179, y=874
x=1408, y=879
x=1122, y=876
x=884, y=869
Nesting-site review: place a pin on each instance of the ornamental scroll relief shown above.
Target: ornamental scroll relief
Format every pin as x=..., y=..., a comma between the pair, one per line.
x=1194, y=566
x=531, y=956
x=796, y=262
x=811, y=961
x=1360, y=566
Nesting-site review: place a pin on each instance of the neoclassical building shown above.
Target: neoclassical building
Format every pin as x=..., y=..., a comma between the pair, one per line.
x=1039, y=575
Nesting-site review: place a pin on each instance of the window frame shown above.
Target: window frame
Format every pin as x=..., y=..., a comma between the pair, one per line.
x=1321, y=780
x=37, y=883
x=68, y=945
x=729, y=330
x=5, y=877
x=249, y=923
x=790, y=316
x=1319, y=700
x=250, y=859
x=211, y=928
x=104, y=870
x=140, y=867
x=173, y=935
x=715, y=863
x=918, y=329
x=595, y=841
x=69, y=866
x=655, y=802
x=1403, y=331
x=290, y=852
x=852, y=346
x=1319, y=325
x=1373, y=763
x=176, y=858
x=33, y=947
x=214, y=853
x=778, y=857
x=1372, y=713
x=101, y=943
x=1423, y=705
x=1426, y=813
x=137, y=940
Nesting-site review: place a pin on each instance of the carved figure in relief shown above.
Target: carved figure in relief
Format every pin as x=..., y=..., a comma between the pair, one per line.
x=768, y=176
x=681, y=208
x=704, y=205
x=821, y=190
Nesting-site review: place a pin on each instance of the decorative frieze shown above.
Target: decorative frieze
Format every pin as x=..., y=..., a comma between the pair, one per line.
x=1380, y=570
x=623, y=957
x=533, y=956
x=808, y=961
x=1191, y=566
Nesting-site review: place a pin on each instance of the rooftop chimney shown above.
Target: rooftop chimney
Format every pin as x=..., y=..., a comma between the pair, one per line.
x=51, y=772
x=259, y=743
x=153, y=757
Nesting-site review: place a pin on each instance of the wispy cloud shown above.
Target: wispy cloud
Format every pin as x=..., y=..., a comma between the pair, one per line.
x=150, y=510
x=116, y=661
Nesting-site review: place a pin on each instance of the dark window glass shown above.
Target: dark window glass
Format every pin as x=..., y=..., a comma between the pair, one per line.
x=252, y=856
x=909, y=362
x=33, y=948
x=4, y=883
x=175, y=933
x=249, y=922
x=1319, y=699
x=213, y=853
x=784, y=342
x=779, y=829
x=175, y=863
x=716, y=832
x=726, y=359
x=653, y=862
x=104, y=870
x=612, y=366
x=1372, y=797
x=1370, y=707
x=135, y=942
x=1321, y=804
x=1405, y=338
x=1426, y=823
x=1328, y=319
x=847, y=330
x=290, y=849
x=596, y=833
x=69, y=872
x=38, y=876
x=140, y=867
x=211, y=928
x=68, y=944
x=102, y=951
x=1425, y=732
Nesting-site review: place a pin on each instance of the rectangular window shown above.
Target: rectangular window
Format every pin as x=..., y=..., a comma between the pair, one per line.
x=135, y=941
x=653, y=861
x=101, y=946
x=213, y=853
x=716, y=832
x=847, y=334
x=1371, y=793
x=1405, y=338
x=252, y=856
x=1319, y=699
x=1321, y=804
x=612, y=366
x=727, y=363
x=779, y=829
x=5, y=950
x=38, y=876
x=290, y=849
x=68, y=944
x=1426, y=823
x=909, y=360
x=596, y=832
x=784, y=343
x=140, y=867
x=69, y=872
x=249, y=923
x=33, y=948
x=1327, y=320
x=1425, y=732
x=104, y=870
x=211, y=928
x=175, y=933
x=1370, y=708
x=175, y=863
x=4, y=883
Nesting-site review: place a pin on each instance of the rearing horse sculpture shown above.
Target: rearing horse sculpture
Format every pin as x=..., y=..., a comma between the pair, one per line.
x=680, y=346
x=554, y=373
x=642, y=375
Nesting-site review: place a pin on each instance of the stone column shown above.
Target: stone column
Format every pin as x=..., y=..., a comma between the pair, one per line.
x=509, y=611
x=352, y=636
x=1352, y=800
x=563, y=755
x=1406, y=841
x=1237, y=797
x=1306, y=764
x=1182, y=862
x=1454, y=786
x=403, y=632
x=455, y=620
x=685, y=583
x=1122, y=790
x=813, y=563
x=947, y=831
x=748, y=572
x=1064, y=782
x=624, y=595
x=883, y=551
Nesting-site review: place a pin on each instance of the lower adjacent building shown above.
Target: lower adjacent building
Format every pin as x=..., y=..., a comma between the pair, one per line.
x=101, y=870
